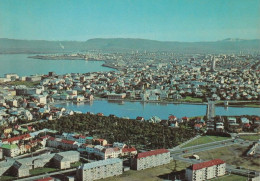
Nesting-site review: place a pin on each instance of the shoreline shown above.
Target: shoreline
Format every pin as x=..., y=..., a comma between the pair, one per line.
x=46, y=57
x=147, y=102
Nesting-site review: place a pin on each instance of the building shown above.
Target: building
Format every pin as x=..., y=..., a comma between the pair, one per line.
x=45, y=179
x=211, y=110
x=10, y=150
x=114, y=96
x=63, y=160
x=213, y=64
x=100, y=169
x=1, y=154
x=150, y=159
x=206, y=170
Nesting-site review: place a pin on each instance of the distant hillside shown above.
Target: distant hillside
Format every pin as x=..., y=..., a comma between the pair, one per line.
x=127, y=44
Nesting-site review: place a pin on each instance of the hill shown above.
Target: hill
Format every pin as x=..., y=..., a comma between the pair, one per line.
x=127, y=44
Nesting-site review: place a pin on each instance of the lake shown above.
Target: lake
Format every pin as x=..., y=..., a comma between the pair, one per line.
x=24, y=66
x=147, y=110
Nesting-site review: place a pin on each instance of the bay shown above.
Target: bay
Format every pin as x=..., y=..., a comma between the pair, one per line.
x=24, y=66
x=147, y=110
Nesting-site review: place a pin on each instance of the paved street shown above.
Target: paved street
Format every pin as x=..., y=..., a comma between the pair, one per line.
x=47, y=175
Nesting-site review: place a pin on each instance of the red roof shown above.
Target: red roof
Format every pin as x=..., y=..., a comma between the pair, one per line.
x=210, y=163
x=151, y=153
x=29, y=128
x=51, y=138
x=10, y=140
x=44, y=179
x=45, y=137
x=246, y=125
x=68, y=142
x=124, y=150
x=172, y=117
x=139, y=118
x=198, y=125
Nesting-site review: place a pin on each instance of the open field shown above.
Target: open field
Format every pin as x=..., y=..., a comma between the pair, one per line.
x=151, y=174
x=204, y=140
x=76, y=164
x=7, y=178
x=250, y=137
x=26, y=83
x=191, y=99
x=232, y=155
x=231, y=178
x=41, y=170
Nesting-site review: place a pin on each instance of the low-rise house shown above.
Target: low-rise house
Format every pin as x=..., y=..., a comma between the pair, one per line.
x=101, y=142
x=114, y=96
x=128, y=151
x=10, y=150
x=154, y=119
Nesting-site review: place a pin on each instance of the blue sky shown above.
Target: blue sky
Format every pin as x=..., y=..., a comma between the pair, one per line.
x=173, y=20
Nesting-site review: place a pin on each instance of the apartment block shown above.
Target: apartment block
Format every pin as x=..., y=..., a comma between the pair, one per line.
x=150, y=159
x=206, y=170
x=100, y=169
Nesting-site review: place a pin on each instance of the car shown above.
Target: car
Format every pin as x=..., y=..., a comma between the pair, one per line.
x=253, y=173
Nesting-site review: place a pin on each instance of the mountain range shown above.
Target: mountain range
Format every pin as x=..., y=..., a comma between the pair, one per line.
x=228, y=45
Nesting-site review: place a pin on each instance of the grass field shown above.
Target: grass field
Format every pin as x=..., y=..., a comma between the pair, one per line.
x=7, y=178
x=205, y=139
x=250, y=137
x=41, y=170
x=232, y=155
x=150, y=174
x=28, y=84
x=191, y=99
x=231, y=178
x=76, y=164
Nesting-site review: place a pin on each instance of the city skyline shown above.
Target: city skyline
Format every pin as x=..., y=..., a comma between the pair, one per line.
x=185, y=21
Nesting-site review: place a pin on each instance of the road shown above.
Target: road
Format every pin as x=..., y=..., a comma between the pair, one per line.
x=47, y=175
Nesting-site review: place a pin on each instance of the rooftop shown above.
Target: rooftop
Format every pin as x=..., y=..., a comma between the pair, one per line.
x=206, y=164
x=101, y=163
x=151, y=153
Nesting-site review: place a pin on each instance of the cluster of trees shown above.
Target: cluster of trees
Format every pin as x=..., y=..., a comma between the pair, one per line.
x=114, y=129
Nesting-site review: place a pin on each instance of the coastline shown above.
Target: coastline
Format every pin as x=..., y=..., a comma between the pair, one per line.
x=158, y=102
x=62, y=57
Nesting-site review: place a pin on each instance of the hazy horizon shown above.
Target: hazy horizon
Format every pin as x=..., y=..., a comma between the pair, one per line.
x=175, y=20
x=132, y=39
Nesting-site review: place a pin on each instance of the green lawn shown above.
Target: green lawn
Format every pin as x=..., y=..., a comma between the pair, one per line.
x=231, y=178
x=28, y=84
x=191, y=99
x=250, y=137
x=76, y=164
x=205, y=139
x=41, y=170
x=7, y=178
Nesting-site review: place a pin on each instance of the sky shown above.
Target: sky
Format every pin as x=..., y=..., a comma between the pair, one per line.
x=164, y=20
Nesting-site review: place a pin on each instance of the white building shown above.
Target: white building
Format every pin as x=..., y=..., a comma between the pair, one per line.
x=100, y=169
x=150, y=159
x=206, y=170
